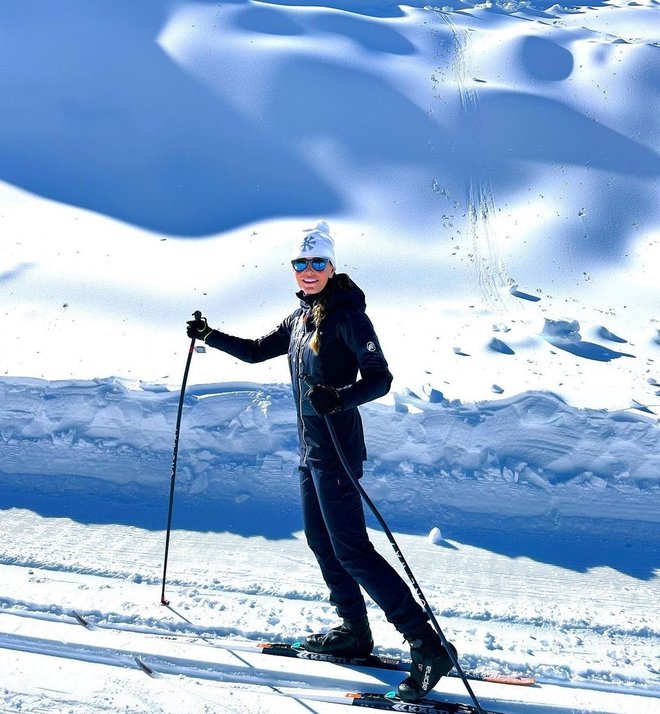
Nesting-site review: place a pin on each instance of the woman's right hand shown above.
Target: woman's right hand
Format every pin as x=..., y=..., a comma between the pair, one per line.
x=198, y=329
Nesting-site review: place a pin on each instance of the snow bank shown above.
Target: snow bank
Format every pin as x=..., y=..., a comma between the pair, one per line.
x=529, y=456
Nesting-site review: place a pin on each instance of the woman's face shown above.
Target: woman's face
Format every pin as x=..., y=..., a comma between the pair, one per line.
x=312, y=281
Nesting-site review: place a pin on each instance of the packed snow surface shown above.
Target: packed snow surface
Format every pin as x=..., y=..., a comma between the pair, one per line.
x=490, y=175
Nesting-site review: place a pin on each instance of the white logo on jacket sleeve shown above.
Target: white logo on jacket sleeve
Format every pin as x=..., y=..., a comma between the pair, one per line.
x=371, y=346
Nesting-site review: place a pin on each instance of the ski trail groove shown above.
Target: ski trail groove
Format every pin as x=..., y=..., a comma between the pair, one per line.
x=120, y=649
x=208, y=638
x=481, y=210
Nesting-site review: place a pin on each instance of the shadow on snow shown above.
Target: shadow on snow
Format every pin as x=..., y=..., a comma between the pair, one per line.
x=575, y=544
x=126, y=130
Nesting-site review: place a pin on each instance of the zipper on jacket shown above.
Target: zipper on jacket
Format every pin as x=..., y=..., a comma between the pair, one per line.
x=303, y=321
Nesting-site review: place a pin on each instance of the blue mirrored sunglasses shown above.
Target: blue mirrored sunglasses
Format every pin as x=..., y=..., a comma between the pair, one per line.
x=318, y=264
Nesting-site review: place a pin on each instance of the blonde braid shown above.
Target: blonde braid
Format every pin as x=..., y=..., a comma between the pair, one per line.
x=318, y=311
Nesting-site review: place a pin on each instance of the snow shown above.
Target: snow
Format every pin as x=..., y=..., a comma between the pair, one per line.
x=490, y=175
x=435, y=536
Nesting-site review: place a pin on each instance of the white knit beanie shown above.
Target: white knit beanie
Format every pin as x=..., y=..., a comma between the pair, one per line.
x=316, y=243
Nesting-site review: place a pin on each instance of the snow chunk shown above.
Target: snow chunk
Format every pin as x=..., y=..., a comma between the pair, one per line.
x=605, y=334
x=498, y=346
x=516, y=292
x=435, y=536
x=562, y=331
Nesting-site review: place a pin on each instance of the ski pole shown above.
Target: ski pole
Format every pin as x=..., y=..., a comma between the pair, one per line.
x=197, y=315
x=399, y=555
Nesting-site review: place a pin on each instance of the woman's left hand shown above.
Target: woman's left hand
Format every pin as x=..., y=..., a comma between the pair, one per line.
x=325, y=400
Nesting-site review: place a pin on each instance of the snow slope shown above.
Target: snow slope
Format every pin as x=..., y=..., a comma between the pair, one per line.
x=457, y=155
x=490, y=173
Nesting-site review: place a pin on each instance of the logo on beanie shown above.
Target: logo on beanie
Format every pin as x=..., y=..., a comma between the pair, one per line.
x=308, y=243
x=371, y=346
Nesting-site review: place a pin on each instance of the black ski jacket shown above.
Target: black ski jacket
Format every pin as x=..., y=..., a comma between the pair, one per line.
x=348, y=345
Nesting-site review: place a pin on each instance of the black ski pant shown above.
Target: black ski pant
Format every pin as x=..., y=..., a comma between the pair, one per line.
x=336, y=532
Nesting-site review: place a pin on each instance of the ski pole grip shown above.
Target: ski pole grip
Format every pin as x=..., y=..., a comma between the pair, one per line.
x=198, y=316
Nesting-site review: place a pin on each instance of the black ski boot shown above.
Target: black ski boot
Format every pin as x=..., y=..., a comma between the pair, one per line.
x=352, y=639
x=430, y=662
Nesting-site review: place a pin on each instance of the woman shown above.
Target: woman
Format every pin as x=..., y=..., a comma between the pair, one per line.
x=329, y=339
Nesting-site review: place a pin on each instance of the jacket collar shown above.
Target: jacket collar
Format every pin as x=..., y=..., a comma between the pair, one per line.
x=335, y=293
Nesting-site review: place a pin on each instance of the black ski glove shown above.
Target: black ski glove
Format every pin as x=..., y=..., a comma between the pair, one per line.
x=325, y=399
x=199, y=329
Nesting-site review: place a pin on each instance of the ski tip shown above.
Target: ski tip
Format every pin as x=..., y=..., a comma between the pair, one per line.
x=82, y=621
x=144, y=667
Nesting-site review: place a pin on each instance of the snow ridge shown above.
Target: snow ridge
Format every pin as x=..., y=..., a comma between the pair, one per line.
x=530, y=455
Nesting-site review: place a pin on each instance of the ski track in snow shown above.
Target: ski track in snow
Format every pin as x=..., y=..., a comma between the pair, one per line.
x=230, y=583
x=491, y=636
x=233, y=574
x=175, y=642
x=488, y=262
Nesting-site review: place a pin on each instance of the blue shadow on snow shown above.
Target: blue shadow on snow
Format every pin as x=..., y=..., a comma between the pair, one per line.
x=589, y=350
x=627, y=546
x=95, y=114
x=93, y=501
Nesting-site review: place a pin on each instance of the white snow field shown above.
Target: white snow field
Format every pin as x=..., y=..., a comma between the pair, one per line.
x=490, y=175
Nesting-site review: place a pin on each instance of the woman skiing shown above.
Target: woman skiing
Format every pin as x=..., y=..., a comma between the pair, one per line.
x=331, y=344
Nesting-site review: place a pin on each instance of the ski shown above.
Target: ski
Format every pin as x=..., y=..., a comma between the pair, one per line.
x=281, y=649
x=118, y=648
x=296, y=650
x=369, y=700
x=379, y=662
x=389, y=702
